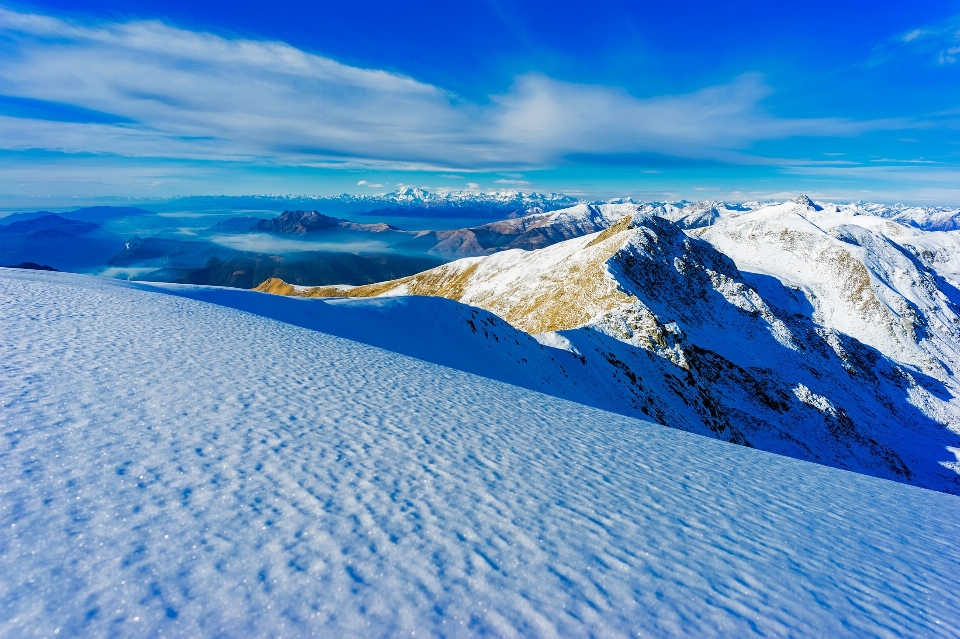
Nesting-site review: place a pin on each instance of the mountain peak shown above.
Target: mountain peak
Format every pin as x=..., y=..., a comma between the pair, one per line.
x=803, y=200
x=412, y=193
x=298, y=222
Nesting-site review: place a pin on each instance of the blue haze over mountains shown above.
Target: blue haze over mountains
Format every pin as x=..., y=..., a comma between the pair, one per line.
x=241, y=241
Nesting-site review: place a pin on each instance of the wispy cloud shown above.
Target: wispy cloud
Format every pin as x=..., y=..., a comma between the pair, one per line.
x=369, y=185
x=940, y=39
x=168, y=92
x=912, y=35
x=895, y=161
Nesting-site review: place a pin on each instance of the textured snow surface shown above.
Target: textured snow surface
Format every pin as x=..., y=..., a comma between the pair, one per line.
x=171, y=467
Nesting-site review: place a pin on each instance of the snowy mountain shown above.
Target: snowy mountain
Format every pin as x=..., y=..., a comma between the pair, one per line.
x=192, y=461
x=864, y=275
x=301, y=222
x=699, y=214
x=404, y=202
x=690, y=215
x=825, y=336
x=531, y=231
x=930, y=218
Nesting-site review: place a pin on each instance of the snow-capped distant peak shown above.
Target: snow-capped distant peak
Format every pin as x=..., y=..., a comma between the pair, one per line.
x=803, y=200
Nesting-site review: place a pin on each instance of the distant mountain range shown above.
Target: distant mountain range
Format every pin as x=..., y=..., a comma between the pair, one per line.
x=404, y=202
x=67, y=244
x=94, y=214
x=414, y=202
x=167, y=252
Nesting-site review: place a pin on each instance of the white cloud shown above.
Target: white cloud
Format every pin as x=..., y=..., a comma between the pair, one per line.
x=913, y=35
x=559, y=118
x=262, y=243
x=202, y=96
x=369, y=185
x=946, y=58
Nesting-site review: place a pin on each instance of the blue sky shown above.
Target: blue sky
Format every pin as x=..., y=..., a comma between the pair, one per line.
x=749, y=100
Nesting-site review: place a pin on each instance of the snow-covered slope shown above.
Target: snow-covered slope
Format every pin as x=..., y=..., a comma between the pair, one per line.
x=666, y=326
x=690, y=215
x=929, y=218
x=171, y=467
x=938, y=251
x=856, y=273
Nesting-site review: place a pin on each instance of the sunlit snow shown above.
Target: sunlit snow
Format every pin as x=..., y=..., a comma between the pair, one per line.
x=172, y=467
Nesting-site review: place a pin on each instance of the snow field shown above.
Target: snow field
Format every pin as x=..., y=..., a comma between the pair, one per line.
x=176, y=468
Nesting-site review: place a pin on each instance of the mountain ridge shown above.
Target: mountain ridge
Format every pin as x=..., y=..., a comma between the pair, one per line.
x=698, y=344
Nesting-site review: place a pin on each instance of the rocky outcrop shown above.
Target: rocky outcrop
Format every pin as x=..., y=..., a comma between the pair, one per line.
x=298, y=222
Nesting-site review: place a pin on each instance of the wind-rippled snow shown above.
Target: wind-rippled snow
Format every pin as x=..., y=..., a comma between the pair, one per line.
x=171, y=467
